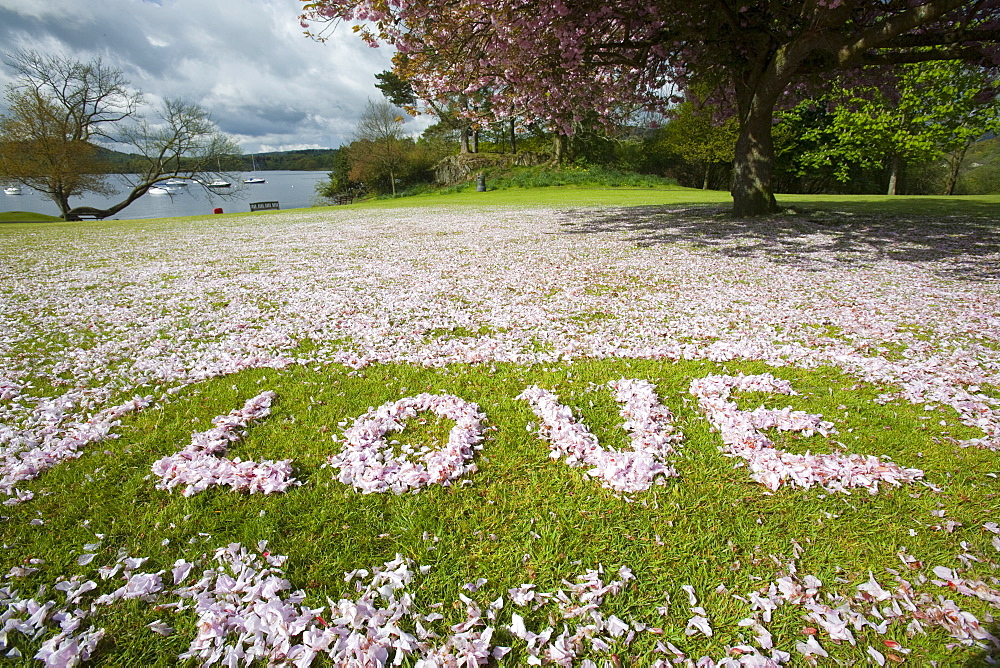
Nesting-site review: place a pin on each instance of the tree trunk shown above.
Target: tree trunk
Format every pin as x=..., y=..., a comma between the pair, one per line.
x=894, y=175
x=955, y=163
x=62, y=201
x=708, y=171
x=93, y=212
x=558, y=148
x=392, y=182
x=513, y=138
x=754, y=160
x=475, y=141
x=465, y=139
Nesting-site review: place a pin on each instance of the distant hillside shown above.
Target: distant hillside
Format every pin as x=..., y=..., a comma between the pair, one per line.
x=314, y=159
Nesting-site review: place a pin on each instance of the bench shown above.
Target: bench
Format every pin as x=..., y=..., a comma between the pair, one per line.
x=345, y=199
x=89, y=216
x=263, y=206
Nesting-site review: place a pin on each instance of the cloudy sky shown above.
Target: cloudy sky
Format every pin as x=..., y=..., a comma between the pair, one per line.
x=245, y=61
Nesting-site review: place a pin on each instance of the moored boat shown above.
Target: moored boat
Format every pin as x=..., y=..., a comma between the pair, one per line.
x=254, y=179
x=163, y=189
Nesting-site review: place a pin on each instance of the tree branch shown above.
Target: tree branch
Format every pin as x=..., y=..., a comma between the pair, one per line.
x=882, y=34
x=924, y=56
x=944, y=38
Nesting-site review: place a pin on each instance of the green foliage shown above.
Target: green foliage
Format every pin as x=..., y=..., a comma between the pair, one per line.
x=936, y=109
x=41, y=146
x=530, y=139
x=339, y=181
x=397, y=90
x=354, y=172
x=545, y=176
x=382, y=158
x=981, y=170
x=697, y=141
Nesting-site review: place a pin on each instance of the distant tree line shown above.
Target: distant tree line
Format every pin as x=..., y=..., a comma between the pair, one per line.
x=313, y=159
x=318, y=159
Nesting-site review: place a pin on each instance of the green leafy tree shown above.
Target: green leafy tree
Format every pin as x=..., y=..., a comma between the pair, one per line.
x=938, y=109
x=382, y=157
x=693, y=137
x=980, y=174
x=339, y=181
x=378, y=153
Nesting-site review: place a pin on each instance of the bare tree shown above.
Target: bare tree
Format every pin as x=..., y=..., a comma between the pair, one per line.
x=62, y=112
x=379, y=148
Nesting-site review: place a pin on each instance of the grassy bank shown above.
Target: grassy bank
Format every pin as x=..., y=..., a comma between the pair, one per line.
x=26, y=217
x=573, y=196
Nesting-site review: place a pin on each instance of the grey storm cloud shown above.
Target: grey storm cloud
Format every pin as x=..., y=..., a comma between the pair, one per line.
x=245, y=61
x=256, y=121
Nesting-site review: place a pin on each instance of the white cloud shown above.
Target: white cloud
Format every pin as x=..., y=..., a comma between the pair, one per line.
x=267, y=148
x=245, y=61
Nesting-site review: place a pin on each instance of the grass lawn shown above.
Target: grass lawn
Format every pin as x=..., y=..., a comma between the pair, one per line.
x=569, y=196
x=882, y=314
x=26, y=217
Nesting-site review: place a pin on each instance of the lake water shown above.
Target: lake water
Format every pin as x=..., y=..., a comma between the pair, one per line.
x=292, y=190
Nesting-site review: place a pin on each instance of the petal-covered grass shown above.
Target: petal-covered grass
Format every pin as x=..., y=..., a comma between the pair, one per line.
x=886, y=326
x=524, y=518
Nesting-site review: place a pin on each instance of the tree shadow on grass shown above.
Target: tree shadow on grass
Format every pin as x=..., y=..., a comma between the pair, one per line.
x=954, y=246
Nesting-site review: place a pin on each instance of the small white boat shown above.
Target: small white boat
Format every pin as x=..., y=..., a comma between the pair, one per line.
x=175, y=183
x=13, y=190
x=254, y=179
x=218, y=183
x=163, y=190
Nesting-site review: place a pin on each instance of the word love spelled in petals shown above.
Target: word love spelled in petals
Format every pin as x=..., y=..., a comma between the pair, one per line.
x=201, y=464
x=367, y=462
x=772, y=467
x=629, y=471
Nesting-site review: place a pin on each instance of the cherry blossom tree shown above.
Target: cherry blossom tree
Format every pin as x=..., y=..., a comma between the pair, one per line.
x=562, y=60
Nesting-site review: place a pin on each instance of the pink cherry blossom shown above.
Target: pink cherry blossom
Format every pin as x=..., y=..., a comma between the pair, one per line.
x=201, y=465
x=367, y=463
x=772, y=467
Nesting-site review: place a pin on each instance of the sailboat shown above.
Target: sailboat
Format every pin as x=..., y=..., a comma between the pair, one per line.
x=217, y=182
x=254, y=179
